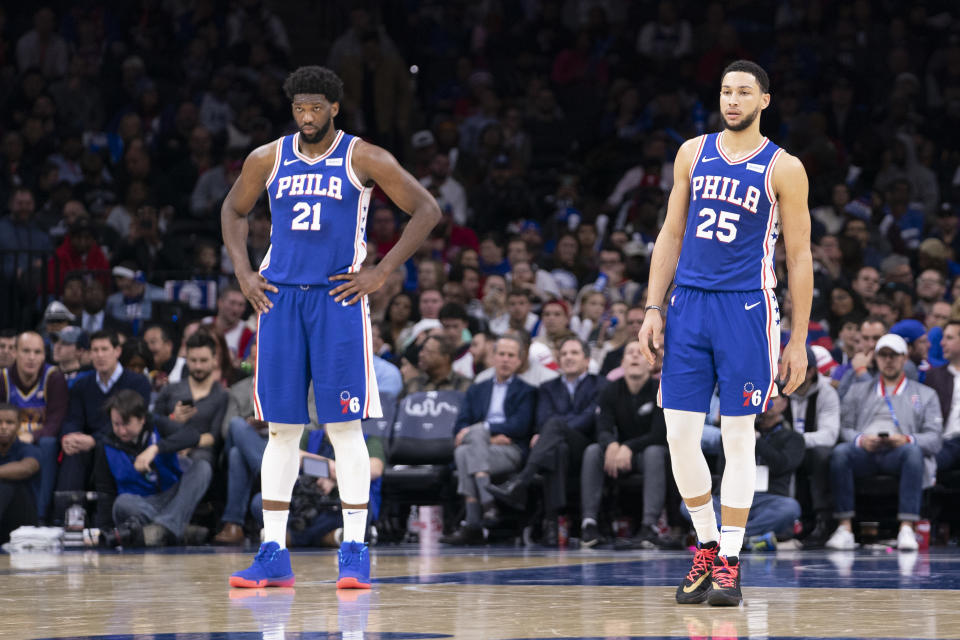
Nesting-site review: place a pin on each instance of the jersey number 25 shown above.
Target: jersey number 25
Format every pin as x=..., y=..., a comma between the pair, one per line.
x=726, y=230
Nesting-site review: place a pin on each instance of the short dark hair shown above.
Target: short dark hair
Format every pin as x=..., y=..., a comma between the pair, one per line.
x=6, y=406
x=453, y=311
x=445, y=347
x=575, y=338
x=748, y=66
x=517, y=292
x=106, y=334
x=8, y=333
x=609, y=248
x=233, y=287
x=874, y=319
x=314, y=79
x=950, y=323
x=128, y=403
x=202, y=339
x=165, y=330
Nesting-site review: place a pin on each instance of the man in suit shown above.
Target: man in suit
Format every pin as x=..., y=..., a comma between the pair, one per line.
x=492, y=433
x=87, y=423
x=944, y=380
x=566, y=408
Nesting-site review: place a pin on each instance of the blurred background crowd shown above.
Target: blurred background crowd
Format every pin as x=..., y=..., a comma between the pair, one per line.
x=546, y=131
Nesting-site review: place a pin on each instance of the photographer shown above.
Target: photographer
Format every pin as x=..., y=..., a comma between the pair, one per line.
x=137, y=474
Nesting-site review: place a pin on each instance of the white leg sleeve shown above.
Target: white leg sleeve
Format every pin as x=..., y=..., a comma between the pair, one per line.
x=281, y=461
x=690, y=470
x=353, y=461
x=740, y=473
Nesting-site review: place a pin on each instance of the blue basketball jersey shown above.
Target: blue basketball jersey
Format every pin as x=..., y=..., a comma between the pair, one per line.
x=32, y=403
x=319, y=211
x=732, y=222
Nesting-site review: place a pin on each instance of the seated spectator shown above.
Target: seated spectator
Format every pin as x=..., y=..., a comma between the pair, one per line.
x=918, y=345
x=566, y=410
x=866, y=283
x=492, y=434
x=145, y=491
x=587, y=313
x=95, y=317
x=87, y=423
x=454, y=319
x=133, y=302
x=938, y=315
x=40, y=392
x=78, y=252
x=435, y=369
x=943, y=380
x=398, y=320
x=167, y=365
x=492, y=260
x=518, y=315
x=631, y=437
x=229, y=321
x=814, y=412
x=316, y=513
x=494, y=302
x=72, y=297
x=531, y=370
x=19, y=468
x=554, y=327
x=136, y=357
x=20, y=235
x=889, y=424
x=8, y=347
x=389, y=379
x=481, y=348
x=780, y=451
x=612, y=279
x=613, y=357
x=198, y=401
x=70, y=353
x=931, y=288
x=863, y=366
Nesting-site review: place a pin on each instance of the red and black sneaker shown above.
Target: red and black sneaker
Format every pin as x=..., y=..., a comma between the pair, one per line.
x=725, y=582
x=696, y=584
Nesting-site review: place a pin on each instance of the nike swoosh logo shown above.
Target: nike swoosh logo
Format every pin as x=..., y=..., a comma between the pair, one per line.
x=352, y=513
x=710, y=159
x=750, y=306
x=286, y=162
x=693, y=587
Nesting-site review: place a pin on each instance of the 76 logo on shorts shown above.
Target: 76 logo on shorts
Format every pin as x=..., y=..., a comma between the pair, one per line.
x=351, y=403
x=751, y=395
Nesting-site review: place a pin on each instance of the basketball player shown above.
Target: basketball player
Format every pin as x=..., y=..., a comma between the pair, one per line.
x=310, y=327
x=734, y=192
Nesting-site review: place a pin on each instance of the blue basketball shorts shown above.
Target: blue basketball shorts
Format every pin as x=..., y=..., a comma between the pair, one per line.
x=305, y=337
x=724, y=339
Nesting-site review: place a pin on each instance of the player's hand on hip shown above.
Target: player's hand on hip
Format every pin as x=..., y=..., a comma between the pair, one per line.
x=651, y=335
x=254, y=287
x=793, y=366
x=357, y=285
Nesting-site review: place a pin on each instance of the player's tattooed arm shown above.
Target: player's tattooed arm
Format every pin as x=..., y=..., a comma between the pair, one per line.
x=791, y=186
x=374, y=164
x=233, y=217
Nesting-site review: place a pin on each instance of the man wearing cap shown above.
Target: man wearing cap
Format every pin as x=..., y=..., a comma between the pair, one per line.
x=918, y=345
x=69, y=353
x=889, y=424
x=40, y=392
x=56, y=317
x=132, y=303
x=78, y=252
x=863, y=366
x=814, y=412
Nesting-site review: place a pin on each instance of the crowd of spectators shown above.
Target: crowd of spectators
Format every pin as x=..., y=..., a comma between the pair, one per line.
x=545, y=131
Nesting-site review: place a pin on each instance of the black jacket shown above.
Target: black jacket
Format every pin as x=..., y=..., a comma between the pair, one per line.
x=631, y=419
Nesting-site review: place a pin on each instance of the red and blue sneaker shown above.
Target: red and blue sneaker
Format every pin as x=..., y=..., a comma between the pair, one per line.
x=354, y=566
x=270, y=568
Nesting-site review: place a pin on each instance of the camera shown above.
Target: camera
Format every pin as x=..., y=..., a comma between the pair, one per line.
x=128, y=534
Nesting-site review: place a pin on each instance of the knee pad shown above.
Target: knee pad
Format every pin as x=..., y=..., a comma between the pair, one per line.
x=353, y=461
x=740, y=473
x=690, y=470
x=281, y=461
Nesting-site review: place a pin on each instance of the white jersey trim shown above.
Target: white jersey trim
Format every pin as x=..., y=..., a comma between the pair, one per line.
x=348, y=162
x=696, y=157
x=276, y=163
x=749, y=156
x=322, y=156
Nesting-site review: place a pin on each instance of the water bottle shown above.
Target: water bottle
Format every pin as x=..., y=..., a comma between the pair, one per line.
x=75, y=517
x=601, y=282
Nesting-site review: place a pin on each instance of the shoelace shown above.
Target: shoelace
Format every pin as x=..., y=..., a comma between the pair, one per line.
x=347, y=558
x=726, y=574
x=702, y=561
x=264, y=552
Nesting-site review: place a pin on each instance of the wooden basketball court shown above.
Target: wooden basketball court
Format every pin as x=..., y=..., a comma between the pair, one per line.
x=486, y=593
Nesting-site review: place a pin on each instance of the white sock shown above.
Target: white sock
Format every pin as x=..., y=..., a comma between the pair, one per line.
x=354, y=525
x=731, y=541
x=275, y=527
x=587, y=521
x=705, y=522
